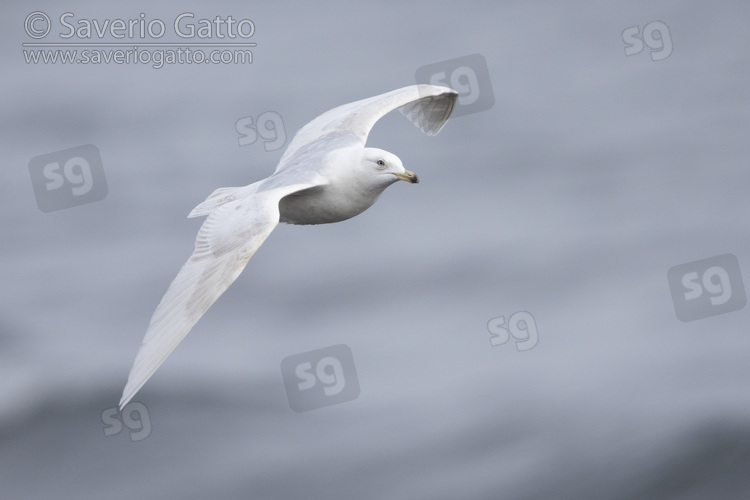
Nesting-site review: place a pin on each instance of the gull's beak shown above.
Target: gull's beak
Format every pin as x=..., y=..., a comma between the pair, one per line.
x=408, y=176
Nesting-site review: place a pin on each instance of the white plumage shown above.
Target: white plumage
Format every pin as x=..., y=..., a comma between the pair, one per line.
x=325, y=175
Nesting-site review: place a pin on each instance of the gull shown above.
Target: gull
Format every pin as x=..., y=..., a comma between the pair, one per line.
x=325, y=175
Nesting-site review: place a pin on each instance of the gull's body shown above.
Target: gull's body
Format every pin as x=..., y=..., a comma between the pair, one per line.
x=326, y=175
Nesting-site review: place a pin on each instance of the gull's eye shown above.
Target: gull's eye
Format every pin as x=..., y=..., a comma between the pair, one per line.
x=381, y=163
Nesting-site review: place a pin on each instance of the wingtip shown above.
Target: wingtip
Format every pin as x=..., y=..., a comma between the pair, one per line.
x=131, y=389
x=429, y=90
x=127, y=395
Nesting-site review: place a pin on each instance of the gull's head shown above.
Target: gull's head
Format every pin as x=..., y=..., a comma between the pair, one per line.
x=386, y=166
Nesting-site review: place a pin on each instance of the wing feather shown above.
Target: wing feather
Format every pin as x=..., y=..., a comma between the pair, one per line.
x=227, y=240
x=427, y=106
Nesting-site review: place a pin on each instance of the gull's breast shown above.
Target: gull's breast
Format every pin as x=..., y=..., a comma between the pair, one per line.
x=324, y=205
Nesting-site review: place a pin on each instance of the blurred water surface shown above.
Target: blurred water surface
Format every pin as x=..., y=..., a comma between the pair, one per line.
x=590, y=177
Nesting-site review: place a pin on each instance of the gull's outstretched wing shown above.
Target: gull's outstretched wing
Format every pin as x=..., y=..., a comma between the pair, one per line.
x=239, y=221
x=427, y=106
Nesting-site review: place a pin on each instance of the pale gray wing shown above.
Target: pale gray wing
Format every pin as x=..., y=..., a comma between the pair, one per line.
x=237, y=225
x=427, y=106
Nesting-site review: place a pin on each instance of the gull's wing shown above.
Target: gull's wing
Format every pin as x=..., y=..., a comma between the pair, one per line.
x=239, y=221
x=427, y=106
